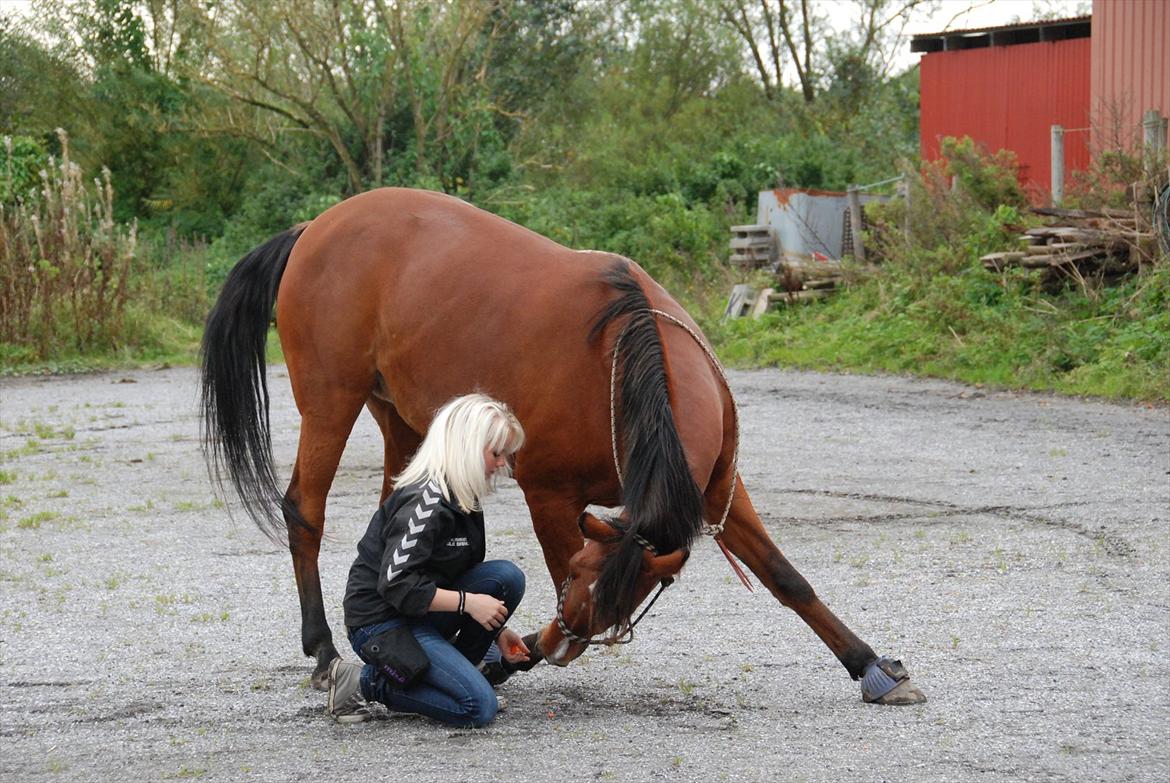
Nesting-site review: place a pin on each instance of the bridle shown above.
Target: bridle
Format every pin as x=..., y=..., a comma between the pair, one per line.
x=626, y=635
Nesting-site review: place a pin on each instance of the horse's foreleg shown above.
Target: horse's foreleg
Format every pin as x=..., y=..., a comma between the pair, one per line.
x=554, y=519
x=400, y=441
x=747, y=539
x=318, y=453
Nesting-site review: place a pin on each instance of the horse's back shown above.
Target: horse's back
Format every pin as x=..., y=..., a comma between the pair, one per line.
x=403, y=251
x=438, y=297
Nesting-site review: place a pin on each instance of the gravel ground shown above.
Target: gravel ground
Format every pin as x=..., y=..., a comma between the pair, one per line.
x=1011, y=549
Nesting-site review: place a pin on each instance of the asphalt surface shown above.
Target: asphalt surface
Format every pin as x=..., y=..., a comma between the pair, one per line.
x=1011, y=549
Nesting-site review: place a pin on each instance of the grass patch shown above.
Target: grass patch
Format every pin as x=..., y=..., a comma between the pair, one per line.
x=34, y=521
x=979, y=328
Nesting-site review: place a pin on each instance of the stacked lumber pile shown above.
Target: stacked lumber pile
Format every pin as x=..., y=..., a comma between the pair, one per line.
x=798, y=277
x=1106, y=241
x=797, y=280
x=801, y=279
x=751, y=247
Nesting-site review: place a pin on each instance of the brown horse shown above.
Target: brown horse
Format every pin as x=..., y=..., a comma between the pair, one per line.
x=398, y=300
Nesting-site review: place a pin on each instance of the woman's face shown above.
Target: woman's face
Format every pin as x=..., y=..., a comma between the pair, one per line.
x=493, y=460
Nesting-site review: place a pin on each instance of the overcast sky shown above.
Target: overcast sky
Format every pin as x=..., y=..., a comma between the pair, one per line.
x=983, y=13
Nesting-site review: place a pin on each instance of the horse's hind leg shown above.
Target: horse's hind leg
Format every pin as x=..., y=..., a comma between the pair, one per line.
x=746, y=537
x=325, y=427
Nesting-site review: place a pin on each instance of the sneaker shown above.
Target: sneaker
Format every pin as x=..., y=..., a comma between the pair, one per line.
x=494, y=668
x=501, y=703
x=346, y=703
x=495, y=672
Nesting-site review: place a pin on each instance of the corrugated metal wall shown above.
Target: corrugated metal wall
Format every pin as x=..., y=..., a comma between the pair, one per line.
x=1131, y=66
x=1009, y=97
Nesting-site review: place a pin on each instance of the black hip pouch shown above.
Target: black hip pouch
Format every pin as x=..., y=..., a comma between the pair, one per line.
x=397, y=655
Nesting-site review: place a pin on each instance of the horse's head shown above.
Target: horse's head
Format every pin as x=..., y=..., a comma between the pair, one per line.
x=578, y=619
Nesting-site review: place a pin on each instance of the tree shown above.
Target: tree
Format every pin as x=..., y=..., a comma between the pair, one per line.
x=795, y=35
x=36, y=85
x=349, y=72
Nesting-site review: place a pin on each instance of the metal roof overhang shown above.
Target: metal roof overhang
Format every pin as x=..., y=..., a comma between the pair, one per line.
x=1007, y=35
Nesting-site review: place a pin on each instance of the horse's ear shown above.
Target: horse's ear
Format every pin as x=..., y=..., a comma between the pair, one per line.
x=594, y=529
x=662, y=566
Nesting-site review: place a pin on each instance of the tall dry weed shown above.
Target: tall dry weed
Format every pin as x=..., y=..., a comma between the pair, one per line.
x=65, y=263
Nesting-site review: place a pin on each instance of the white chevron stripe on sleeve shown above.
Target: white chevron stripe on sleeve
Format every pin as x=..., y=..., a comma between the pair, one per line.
x=400, y=556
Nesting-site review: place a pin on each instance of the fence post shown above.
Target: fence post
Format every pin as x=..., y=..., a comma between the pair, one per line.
x=904, y=191
x=855, y=223
x=1057, y=165
x=1153, y=139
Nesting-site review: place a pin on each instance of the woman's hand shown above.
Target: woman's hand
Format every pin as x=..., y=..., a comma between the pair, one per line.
x=512, y=647
x=486, y=610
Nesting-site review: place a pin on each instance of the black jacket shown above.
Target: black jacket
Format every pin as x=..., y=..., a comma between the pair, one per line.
x=417, y=542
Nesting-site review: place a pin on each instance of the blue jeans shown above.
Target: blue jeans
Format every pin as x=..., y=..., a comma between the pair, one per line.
x=452, y=690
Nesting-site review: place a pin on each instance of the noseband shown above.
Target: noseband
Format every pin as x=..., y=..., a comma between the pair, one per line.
x=622, y=637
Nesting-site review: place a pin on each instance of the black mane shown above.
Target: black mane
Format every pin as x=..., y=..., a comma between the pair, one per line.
x=662, y=502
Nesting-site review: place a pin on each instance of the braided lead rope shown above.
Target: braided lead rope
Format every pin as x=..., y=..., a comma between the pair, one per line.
x=617, y=344
x=708, y=529
x=561, y=614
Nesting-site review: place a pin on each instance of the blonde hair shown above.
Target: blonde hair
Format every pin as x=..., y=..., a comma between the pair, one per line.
x=451, y=454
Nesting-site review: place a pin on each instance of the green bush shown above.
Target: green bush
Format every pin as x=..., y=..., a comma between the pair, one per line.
x=674, y=241
x=990, y=179
x=21, y=161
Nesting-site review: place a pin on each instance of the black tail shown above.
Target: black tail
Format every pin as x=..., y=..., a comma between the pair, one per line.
x=662, y=502
x=234, y=398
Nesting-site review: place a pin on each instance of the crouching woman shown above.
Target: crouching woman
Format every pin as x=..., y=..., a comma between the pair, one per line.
x=420, y=569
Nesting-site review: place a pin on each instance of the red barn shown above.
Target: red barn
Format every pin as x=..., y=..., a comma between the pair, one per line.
x=1006, y=87
x=1131, y=67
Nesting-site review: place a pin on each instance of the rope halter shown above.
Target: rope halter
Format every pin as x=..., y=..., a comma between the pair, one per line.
x=626, y=635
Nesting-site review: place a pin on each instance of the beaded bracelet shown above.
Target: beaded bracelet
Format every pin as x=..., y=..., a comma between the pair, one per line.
x=462, y=601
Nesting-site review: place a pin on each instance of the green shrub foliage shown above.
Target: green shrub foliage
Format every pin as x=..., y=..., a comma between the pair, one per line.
x=65, y=263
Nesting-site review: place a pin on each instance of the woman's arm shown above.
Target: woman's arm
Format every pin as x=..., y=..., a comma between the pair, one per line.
x=488, y=611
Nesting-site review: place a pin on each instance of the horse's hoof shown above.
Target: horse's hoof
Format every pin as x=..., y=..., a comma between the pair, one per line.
x=320, y=679
x=904, y=693
x=886, y=681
